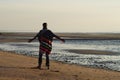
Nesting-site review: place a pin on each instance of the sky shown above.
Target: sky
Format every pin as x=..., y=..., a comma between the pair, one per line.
x=61, y=15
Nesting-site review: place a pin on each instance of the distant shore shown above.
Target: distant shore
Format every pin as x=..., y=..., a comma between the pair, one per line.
x=23, y=37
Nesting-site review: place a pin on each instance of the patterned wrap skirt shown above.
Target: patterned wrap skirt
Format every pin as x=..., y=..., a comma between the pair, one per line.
x=45, y=45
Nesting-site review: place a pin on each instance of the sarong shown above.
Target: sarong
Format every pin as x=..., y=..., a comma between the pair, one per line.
x=45, y=45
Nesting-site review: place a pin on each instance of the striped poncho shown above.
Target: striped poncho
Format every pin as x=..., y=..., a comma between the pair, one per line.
x=45, y=45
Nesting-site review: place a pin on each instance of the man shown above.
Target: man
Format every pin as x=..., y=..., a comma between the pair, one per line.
x=45, y=38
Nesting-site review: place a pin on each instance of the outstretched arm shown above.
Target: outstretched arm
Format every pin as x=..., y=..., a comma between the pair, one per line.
x=30, y=40
x=59, y=38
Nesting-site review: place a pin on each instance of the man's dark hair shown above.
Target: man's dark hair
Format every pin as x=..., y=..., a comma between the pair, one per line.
x=44, y=25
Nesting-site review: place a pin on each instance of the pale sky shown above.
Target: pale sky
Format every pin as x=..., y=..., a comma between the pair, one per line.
x=61, y=15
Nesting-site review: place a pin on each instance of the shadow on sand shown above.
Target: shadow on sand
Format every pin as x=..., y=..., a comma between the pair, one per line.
x=19, y=67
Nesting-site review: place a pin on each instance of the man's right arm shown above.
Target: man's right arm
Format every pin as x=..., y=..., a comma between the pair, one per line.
x=30, y=40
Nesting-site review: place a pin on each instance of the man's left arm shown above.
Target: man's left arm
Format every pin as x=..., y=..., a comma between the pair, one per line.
x=59, y=38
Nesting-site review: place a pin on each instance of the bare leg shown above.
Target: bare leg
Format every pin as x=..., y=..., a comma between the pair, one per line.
x=47, y=60
x=40, y=59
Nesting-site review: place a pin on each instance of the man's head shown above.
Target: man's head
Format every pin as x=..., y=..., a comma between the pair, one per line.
x=44, y=25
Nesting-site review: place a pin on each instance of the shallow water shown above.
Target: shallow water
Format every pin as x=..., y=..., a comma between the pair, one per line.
x=60, y=53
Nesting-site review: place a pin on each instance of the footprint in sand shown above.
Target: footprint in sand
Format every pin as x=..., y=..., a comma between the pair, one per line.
x=54, y=70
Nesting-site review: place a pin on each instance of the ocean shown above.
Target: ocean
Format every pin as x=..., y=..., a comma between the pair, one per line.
x=66, y=52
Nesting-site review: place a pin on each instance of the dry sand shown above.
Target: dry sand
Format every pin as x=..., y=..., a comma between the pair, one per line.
x=19, y=67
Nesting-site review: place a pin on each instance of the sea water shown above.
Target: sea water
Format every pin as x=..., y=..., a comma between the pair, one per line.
x=60, y=52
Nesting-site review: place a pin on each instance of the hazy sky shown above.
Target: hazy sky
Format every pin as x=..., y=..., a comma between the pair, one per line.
x=61, y=15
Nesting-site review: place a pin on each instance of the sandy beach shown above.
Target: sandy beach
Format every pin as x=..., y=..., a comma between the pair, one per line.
x=19, y=67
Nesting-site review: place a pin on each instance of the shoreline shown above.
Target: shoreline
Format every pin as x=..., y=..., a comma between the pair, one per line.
x=95, y=52
x=77, y=60
x=19, y=67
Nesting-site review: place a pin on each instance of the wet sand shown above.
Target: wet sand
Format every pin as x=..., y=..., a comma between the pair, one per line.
x=96, y=52
x=19, y=67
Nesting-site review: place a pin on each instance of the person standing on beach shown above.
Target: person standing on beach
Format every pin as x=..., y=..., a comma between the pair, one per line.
x=45, y=38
